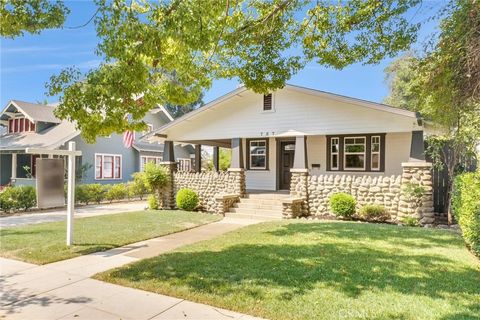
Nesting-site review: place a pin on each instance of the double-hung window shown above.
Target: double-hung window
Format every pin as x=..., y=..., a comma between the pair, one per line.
x=108, y=166
x=184, y=164
x=257, y=154
x=146, y=159
x=354, y=153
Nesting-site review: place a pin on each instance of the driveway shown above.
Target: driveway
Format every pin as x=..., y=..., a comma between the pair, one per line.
x=61, y=214
x=64, y=289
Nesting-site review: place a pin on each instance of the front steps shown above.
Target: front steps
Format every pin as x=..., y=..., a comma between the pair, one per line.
x=259, y=205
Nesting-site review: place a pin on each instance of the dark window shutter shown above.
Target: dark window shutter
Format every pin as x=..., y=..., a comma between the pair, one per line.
x=267, y=102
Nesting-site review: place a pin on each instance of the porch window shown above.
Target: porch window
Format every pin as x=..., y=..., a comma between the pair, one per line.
x=184, y=164
x=257, y=154
x=375, y=158
x=20, y=125
x=335, y=151
x=108, y=166
x=146, y=159
x=354, y=152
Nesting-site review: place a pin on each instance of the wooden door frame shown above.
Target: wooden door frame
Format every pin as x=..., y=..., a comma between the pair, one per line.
x=278, y=155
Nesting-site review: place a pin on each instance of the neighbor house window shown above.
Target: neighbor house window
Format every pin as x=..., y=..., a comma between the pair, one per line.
x=335, y=153
x=267, y=102
x=147, y=159
x=108, y=166
x=184, y=164
x=257, y=154
x=356, y=153
x=375, y=153
x=20, y=125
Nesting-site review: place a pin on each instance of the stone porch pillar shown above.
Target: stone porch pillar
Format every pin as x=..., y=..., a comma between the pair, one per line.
x=236, y=171
x=299, y=178
x=421, y=207
x=168, y=199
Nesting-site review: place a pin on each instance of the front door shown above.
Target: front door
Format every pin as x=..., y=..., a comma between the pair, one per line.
x=287, y=153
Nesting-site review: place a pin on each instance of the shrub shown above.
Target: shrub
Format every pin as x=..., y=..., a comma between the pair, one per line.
x=81, y=194
x=374, y=212
x=116, y=192
x=137, y=187
x=409, y=221
x=152, y=202
x=96, y=192
x=157, y=178
x=18, y=198
x=187, y=199
x=26, y=197
x=342, y=204
x=466, y=208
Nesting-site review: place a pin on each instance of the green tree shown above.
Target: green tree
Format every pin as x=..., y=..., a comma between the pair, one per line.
x=171, y=51
x=444, y=85
x=157, y=179
x=32, y=16
x=177, y=111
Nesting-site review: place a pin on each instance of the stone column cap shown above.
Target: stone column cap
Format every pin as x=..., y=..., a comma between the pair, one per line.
x=235, y=169
x=299, y=170
x=168, y=162
x=417, y=164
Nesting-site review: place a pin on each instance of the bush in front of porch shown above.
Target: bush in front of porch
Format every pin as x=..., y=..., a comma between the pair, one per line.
x=17, y=198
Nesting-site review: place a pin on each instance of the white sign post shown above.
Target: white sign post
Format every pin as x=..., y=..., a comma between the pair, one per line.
x=71, y=153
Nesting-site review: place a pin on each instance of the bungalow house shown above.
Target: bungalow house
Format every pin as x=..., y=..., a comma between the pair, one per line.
x=294, y=147
x=107, y=161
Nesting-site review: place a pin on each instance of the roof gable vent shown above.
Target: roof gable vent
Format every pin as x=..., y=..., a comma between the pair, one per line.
x=267, y=102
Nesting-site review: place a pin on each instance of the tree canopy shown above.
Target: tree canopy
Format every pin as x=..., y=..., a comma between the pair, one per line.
x=170, y=51
x=31, y=16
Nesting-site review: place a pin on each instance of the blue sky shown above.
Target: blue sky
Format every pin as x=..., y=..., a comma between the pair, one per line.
x=27, y=62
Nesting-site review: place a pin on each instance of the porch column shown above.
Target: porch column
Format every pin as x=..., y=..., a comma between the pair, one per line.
x=198, y=158
x=216, y=159
x=417, y=147
x=14, y=166
x=237, y=154
x=300, y=160
x=168, y=153
x=236, y=180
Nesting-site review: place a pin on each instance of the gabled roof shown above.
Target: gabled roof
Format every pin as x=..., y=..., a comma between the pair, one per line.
x=310, y=91
x=50, y=138
x=33, y=111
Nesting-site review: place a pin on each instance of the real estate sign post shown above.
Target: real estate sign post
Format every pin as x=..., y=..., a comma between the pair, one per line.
x=71, y=153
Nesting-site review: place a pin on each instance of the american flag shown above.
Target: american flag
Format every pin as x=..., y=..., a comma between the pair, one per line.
x=128, y=136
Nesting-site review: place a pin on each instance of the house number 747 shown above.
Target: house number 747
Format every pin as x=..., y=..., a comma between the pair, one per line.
x=267, y=133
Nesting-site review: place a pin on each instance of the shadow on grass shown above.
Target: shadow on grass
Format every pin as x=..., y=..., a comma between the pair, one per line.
x=418, y=238
x=287, y=272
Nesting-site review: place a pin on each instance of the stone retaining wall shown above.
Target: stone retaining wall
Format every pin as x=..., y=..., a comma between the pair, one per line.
x=381, y=190
x=208, y=185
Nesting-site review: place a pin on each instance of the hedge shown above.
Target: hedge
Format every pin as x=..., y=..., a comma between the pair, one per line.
x=466, y=208
x=18, y=198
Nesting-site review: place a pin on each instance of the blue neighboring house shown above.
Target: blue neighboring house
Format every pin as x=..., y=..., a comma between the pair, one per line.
x=25, y=125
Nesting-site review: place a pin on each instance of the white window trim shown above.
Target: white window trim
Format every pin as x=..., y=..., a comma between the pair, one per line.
x=158, y=160
x=337, y=168
x=257, y=155
x=364, y=153
x=113, y=164
x=187, y=160
x=379, y=152
x=273, y=105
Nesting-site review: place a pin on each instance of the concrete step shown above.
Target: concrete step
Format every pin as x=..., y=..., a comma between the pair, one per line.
x=259, y=206
x=257, y=211
x=252, y=216
x=259, y=201
x=267, y=196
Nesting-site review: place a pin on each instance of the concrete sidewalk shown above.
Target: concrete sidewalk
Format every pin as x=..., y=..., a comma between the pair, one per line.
x=64, y=290
x=61, y=214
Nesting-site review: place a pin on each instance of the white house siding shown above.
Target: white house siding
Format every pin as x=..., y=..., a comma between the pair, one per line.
x=397, y=150
x=243, y=116
x=262, y=179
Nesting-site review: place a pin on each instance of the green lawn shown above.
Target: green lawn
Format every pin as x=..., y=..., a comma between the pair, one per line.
x=320, y=270
x=45, y=243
